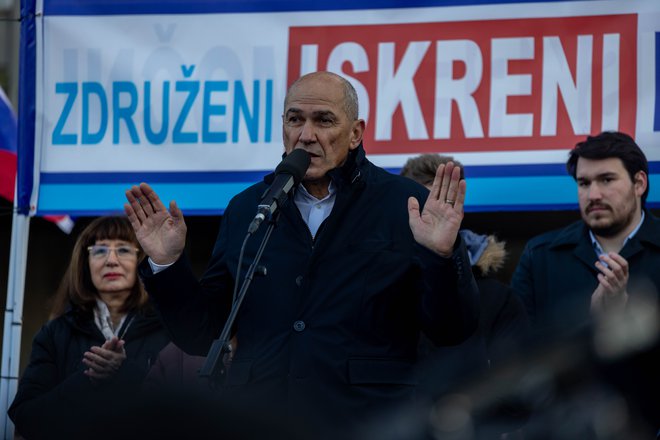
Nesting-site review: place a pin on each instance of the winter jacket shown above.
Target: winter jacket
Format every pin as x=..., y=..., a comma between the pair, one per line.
x=503, y=325
x=556, y=275
x=331, y=330
x=55, y=399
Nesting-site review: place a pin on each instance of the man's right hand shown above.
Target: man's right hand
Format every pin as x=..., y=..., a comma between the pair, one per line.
x=611, y=291
x=161, y=233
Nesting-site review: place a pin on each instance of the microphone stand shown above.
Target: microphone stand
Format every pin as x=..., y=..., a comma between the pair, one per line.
x=214, y=368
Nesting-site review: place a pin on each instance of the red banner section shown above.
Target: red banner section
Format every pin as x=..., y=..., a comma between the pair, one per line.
x=488, y=85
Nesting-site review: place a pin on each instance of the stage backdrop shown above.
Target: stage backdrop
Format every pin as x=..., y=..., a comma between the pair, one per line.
x=188, y=95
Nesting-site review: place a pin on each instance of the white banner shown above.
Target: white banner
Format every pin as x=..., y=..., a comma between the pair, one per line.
x=192, y=102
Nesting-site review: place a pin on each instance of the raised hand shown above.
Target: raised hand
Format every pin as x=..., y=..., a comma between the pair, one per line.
x=612, y=283
x=161, y=233
x=436, y=227
x=103, y=362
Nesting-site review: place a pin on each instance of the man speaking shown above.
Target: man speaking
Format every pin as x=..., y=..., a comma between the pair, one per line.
x=355, y=269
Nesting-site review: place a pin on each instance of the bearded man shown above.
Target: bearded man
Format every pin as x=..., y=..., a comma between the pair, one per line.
x=565, y=277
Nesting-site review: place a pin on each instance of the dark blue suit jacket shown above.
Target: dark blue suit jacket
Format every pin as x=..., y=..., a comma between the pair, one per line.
x=556, y=274
x=332, y=329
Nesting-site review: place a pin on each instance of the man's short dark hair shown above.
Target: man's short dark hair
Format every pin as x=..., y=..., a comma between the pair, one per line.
x=610, y=144
x=422, y=168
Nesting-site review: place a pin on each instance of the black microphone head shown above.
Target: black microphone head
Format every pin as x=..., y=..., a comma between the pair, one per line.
x=295, y=164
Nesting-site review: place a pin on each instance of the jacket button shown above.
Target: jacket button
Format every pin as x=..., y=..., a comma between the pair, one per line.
x=299, y=280
x=299, y=326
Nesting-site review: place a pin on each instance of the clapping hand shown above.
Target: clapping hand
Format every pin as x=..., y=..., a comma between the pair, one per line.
x=104, y=361
x=612, y=283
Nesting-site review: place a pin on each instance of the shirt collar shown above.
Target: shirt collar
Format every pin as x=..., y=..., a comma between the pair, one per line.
x=599, y=249
x=312, y=210
x=303, y=195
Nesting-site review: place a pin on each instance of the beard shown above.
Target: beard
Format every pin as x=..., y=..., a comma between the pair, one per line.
x=617, y=224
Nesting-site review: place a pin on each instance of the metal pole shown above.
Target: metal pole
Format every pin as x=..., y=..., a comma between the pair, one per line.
x=11, y=344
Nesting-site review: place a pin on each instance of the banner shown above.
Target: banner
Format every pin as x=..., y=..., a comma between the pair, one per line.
x=188, y=97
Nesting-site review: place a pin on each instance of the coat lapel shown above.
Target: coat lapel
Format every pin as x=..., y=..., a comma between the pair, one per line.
x=577, y=237
x=646, y=234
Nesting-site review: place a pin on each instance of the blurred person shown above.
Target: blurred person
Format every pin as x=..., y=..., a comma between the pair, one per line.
x=503, y=322
x=176, y=369
x=93, y=354
x=502, y=318
x=356, y=268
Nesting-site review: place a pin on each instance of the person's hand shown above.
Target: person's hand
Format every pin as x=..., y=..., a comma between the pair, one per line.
x=437, y=226
x=612, y=283
x=161, y=233
x=104, y=361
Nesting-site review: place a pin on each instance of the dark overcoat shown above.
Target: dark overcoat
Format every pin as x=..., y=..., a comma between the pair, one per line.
x=55, y=399
x=332, y=327
x=556, y=275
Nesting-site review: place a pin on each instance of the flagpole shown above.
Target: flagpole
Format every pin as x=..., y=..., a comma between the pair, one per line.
x=13, y=324
x=11, y=344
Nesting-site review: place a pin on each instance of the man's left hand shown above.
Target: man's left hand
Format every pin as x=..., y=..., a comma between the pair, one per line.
x=436, y=227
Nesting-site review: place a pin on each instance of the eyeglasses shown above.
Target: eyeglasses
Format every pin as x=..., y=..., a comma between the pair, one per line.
x=101, y=251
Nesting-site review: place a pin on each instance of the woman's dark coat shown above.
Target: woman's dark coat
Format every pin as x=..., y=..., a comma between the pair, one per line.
x=56, y=400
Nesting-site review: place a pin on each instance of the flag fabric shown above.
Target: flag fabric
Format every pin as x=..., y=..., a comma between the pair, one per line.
x=8, y=144
x=8, y=159
x=64, y=222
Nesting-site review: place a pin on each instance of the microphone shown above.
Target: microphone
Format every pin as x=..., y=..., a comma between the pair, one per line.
x=288, y=175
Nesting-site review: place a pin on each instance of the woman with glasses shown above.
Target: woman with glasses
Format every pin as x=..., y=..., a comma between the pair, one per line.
x=103, y=335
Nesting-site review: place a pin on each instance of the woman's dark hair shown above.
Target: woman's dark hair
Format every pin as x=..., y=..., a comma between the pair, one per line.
x=76, y=287
x=610, y=144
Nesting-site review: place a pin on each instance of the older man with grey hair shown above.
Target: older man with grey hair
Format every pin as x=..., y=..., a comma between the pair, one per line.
x=356, y=268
